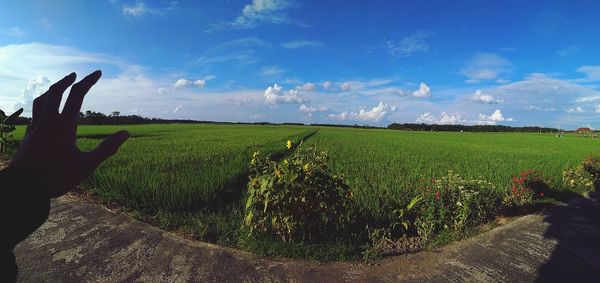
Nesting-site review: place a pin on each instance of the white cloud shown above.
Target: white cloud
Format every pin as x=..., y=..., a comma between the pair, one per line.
x=311, y=109
x=138, y=9
x=177, y=108
x=328, y=86
x=301, y=44
x=409, y=45
x=262, y=11
x=493, y=119
x=484, y=98
x=241, y=101
x=13, y=31
x=443, y=119
x=485, y=67
x=34, y=89
x=592, y=74
x=423, y=91
x=275, y=95
x=163, y=91
x=376, y=114
x=569, y=50
x=576, y=109
x=271, y=71
x=308, y=87
x=538, y=108
x=187, y=82
x=597, y=108
x=345, y=86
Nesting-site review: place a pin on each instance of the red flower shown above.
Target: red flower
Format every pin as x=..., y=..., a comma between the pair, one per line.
x=541, y=194
x=438, y=195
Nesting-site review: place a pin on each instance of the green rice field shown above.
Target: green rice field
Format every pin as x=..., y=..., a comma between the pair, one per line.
x=193, y=176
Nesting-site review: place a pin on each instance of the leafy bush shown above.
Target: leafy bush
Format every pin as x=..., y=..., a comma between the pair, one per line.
x=578, y=179
x=297, y=200
x=453, y=203
x=7, y=127
x=526, y=187
x=592, y=165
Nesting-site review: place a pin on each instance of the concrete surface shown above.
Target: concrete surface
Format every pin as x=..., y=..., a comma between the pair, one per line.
x=83, y=242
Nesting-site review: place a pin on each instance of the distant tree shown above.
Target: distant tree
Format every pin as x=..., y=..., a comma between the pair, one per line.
x=116, y=113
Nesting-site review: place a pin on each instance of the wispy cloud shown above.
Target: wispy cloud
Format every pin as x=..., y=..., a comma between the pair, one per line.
x=13, y=31
x=301, y=44
x=592, y=74
x=257, y=13
x=486, y=67
x=139, y=9
x=271, y=71
x=573, y=48
x=409, y=45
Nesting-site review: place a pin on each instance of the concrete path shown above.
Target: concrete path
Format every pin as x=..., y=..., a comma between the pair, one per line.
x=83, y=242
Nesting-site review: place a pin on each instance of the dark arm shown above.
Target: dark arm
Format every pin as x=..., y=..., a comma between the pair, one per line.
x=24, y=208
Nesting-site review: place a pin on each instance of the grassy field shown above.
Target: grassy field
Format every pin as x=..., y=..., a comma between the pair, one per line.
x=382, y=165
x=192, y=177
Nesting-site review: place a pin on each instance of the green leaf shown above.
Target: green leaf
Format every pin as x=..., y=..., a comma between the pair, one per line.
x=13, y=116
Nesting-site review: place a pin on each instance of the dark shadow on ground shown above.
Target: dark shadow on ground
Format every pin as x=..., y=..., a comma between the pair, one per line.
x=576, y=228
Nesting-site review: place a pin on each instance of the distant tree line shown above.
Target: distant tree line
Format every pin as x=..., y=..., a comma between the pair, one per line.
x=115, y=118
x=472, y=128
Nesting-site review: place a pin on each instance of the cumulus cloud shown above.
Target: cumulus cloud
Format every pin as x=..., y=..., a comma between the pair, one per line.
x=443, y=119
x=138, y=9
x=328, y=86
x=376, y=114
x=597, y=108
x=484, y=98
x=345, y=86
x=493, y=119
x=301, y=44
x=409, y=45
x=485, y=67
x=275, y=95
x=423, y=91
x=34, y=89
x=309, y=87
x=186, y=82
x=577, y=109
x=309, y=110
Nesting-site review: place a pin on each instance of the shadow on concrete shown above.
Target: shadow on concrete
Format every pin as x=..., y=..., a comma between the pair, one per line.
x=576, y=230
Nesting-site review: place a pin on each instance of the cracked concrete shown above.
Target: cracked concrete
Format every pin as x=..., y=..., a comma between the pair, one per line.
x=84, y=242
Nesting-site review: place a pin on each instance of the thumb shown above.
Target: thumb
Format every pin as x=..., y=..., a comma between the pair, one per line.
x=107, y=148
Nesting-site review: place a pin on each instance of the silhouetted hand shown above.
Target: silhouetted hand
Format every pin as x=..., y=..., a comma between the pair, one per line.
x=49, y=145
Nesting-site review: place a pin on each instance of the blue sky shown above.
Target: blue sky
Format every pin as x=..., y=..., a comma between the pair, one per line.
x=349, y=62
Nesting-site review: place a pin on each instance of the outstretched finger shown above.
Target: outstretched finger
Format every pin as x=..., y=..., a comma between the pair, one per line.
x=38, y=106
x=76, y=95
x=54, y=96
x=107, y=148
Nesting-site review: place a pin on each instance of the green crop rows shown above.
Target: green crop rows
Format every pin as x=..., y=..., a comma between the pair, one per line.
x=193, y=176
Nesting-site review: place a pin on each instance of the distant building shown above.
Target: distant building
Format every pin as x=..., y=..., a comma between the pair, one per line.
x=583, y=131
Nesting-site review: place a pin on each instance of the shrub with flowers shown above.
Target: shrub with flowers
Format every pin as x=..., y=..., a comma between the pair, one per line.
x=299, y=199
x=453, y=203
x=578, y=179
x=591, y=164
x=526, y=187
